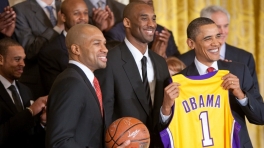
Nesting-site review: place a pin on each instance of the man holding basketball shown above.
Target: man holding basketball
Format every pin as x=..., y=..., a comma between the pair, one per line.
x=134, y=79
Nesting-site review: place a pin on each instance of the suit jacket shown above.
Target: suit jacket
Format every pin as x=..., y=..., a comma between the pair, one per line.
x=74, y=118
x=33, y=30
x=123, y=90
x=18, y=129
x=116, y=7
x=253, y=111
x=232, y=53
x=117, y=33
x=3, y=4
x=53, y=59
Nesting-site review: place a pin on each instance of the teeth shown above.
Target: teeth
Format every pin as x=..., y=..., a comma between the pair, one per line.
x=214, y=50
x=149, y=32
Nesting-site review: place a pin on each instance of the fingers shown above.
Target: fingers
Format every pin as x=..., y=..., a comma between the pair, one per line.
x=230, y=81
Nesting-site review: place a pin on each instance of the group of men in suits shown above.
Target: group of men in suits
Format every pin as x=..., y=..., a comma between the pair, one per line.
x=74, y=94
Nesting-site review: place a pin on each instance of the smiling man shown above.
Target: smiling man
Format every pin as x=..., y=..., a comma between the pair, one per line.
x=135, y=77
x=245, y=101
x=75, y=113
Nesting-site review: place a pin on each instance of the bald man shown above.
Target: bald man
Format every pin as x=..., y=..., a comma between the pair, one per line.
x=75, y=115
x=53, y=58
x=125, y=82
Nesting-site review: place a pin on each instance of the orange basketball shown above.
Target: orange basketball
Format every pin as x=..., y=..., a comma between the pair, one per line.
x=127, y=128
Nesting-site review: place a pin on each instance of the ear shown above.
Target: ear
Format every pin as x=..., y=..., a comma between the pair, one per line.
x=190, y=43
x=126, y=22
x=1, y=59
x=63, y=17
x=75, y=49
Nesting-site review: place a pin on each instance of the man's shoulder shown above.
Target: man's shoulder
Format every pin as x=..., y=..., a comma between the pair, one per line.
x=237, y=50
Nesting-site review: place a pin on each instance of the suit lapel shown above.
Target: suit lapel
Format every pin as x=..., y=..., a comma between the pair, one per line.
x=7, y=99
x=192, y=70
x=62, y=41
x=40, y=14
x=131, y=70
x=229, y=54
x=86, y=80
x=222, y=65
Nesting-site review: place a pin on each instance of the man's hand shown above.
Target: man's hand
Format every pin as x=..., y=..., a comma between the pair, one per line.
x=160, y=42
x=171, y=92
x=103, y=19
x=231, y=82
x=7, y=21
x=39, y=105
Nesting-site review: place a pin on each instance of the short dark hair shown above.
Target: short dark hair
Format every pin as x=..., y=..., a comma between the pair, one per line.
x=128, y=9
x=5, y=43
x=193, y=27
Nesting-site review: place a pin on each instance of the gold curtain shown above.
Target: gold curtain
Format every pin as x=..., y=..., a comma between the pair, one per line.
x=246, y=30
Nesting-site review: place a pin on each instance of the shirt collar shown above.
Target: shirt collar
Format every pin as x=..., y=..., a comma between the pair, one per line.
x=202, y=69
x=222, y=51
x=95, y=2
x=64, y=33
x=43, y=4
x=135, y=52
x=89, y=74
x=5, y=82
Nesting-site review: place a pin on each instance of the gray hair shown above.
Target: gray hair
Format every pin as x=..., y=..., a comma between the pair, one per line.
x=208, y=11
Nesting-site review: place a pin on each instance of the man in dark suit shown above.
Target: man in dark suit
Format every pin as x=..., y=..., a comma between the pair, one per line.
x=3, y=4
x=36, y=25
x=245, y=101
x=75, y=95
x=163, y=42
x=18, y=124
x=121, y=81
x=222, y=18
x=54, y=58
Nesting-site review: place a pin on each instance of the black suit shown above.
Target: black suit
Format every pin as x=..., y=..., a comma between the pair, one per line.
x=117, y=33
x=18, y=129
x=3, y=4
x=33, y=30
x=74, y=118
x=53, y=59
x=253, y=111
x=123, y=90
x=232, y=53
x=116, y=7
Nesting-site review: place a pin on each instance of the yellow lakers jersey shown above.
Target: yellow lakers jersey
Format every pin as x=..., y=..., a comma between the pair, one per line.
x=201, y=114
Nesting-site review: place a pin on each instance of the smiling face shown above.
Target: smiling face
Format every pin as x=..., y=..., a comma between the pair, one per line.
x=74, y=12
x=141, y=24
x=206, y=44
x=93, y=51
x=12, y=63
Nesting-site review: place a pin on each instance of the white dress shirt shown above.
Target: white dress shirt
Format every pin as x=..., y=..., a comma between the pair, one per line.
x=150, y=70
x=222, y=51
x=95, y=3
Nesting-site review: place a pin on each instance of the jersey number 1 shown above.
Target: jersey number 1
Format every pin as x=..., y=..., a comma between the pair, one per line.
x=207, y=140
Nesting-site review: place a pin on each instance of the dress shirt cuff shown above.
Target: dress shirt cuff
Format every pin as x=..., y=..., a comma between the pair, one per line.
x=164, y=118
x=58, y=29
x=244, y=101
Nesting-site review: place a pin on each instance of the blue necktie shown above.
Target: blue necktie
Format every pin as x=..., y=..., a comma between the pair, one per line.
x=52, y=17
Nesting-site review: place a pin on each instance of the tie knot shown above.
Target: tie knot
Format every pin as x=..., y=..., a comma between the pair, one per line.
x=210, y=69
x=144, y=60
x=12, y=87
x=50, y=8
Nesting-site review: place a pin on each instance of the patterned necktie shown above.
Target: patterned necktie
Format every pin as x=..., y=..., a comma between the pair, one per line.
x=210, y=69
x=145, y=80
x=16, y=98
x=98, y=93
x=52, y=17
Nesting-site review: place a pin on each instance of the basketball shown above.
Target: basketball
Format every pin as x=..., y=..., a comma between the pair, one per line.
x=127, y=128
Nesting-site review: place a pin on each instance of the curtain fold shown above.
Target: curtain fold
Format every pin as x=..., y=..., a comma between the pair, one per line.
x=246, y=31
